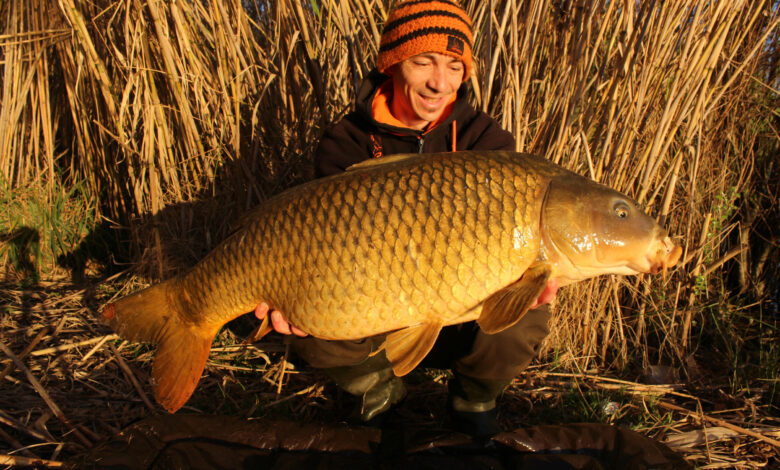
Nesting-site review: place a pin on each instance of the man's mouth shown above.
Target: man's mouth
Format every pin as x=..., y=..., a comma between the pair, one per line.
x=431, y=103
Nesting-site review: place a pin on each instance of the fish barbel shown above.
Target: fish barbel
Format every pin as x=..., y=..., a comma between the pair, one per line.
x=405, y=244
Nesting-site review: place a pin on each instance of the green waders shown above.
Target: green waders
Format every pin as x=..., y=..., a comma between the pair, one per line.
x=483, y=365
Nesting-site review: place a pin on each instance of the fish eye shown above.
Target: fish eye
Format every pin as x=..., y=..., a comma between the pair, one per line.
x=622, y=210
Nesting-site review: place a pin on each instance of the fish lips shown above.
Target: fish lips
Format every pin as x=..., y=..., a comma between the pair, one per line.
x=665, y=255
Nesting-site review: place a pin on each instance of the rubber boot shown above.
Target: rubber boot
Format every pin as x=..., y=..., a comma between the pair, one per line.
x=373, y=382
x=472, y=405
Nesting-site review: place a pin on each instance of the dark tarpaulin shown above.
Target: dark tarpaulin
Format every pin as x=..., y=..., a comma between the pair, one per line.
x=217, y=442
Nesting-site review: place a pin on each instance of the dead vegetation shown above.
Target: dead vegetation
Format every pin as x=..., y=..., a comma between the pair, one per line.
x=70, y=383
x=133, y=135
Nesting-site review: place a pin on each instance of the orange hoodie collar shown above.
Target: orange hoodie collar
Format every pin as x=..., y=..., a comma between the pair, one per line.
x=380, y=109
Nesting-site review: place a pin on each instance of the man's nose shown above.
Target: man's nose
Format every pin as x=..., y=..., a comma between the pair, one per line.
x=438, y=78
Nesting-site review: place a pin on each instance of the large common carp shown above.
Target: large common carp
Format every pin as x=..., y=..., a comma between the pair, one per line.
x=405, y=244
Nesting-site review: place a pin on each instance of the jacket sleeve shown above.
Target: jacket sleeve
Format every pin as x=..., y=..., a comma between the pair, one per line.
x=342, y=145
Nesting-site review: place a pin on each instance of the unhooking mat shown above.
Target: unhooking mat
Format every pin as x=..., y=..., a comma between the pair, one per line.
x=217, y=442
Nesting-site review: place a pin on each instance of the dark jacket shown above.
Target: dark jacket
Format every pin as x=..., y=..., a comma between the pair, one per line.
x=358, y=136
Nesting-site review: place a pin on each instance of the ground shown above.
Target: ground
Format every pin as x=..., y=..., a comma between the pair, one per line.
x=80, y=384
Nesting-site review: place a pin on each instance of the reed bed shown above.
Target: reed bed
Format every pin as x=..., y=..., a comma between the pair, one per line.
x=174, y=118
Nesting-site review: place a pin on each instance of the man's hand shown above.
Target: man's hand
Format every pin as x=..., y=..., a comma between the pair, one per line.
x=277, y=321
x=548, y=294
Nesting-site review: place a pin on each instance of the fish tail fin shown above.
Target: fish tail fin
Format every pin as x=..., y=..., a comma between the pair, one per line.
x=152, y=315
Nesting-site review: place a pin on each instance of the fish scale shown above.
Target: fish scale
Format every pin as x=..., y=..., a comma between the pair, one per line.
x=318, y=280
x=438, y=280
x=402, y=245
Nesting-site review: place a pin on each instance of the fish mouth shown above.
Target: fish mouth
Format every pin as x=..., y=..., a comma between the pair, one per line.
x=664, y=255
x=109, y=311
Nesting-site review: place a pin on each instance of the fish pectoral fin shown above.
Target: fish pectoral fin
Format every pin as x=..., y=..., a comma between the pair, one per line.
x=508, y=305
x=406, y=348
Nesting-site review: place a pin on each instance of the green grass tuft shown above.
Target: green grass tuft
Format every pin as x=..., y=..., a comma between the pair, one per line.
x=40, y=225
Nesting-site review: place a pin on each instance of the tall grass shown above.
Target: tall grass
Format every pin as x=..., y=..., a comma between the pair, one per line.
x=162, y=108
x=40, y=226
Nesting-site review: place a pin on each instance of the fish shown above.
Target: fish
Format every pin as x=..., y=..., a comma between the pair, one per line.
x=403, y=244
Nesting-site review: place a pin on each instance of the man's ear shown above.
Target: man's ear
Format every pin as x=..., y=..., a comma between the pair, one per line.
x=391, y=70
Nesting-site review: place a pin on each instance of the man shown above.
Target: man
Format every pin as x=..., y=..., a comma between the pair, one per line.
x=415, y=101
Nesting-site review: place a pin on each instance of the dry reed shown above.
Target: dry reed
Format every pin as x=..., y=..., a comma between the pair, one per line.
x=188, y=113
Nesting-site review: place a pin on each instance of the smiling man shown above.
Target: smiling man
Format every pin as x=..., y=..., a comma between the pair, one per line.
x=415, y=101
x=416, y=98
x=423, y=87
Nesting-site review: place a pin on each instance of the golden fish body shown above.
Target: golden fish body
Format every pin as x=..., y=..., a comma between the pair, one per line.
x=381, y=248
x=405, y=244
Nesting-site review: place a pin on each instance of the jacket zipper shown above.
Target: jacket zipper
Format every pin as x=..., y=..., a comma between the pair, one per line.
x=420, y=142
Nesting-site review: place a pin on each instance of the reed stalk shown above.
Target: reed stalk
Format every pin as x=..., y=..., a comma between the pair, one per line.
x=160, y=106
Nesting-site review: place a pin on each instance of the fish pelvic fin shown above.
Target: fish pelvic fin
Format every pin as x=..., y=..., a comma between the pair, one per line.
x=259, y=332
x=152, y=315
x=406, y=348
x=505, y=307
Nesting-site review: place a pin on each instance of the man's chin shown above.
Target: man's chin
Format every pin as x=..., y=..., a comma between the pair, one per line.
x=429, y=116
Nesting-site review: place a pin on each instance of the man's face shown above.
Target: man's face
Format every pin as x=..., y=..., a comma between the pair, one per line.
x=423, y=86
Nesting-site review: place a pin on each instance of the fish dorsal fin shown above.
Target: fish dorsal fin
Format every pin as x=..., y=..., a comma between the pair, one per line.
x=406, y=348
x=386, y=160
x=508, y=305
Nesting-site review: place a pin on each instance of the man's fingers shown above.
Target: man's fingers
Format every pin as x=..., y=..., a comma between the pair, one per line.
x=297, y=331
x=261, y=311
x=279, y=323
x=547, y=295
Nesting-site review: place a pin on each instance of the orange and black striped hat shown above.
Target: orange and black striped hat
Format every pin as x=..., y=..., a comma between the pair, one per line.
x=417, y=26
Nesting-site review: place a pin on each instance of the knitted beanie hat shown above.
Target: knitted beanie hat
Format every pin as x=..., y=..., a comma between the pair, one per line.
x=418, y=26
